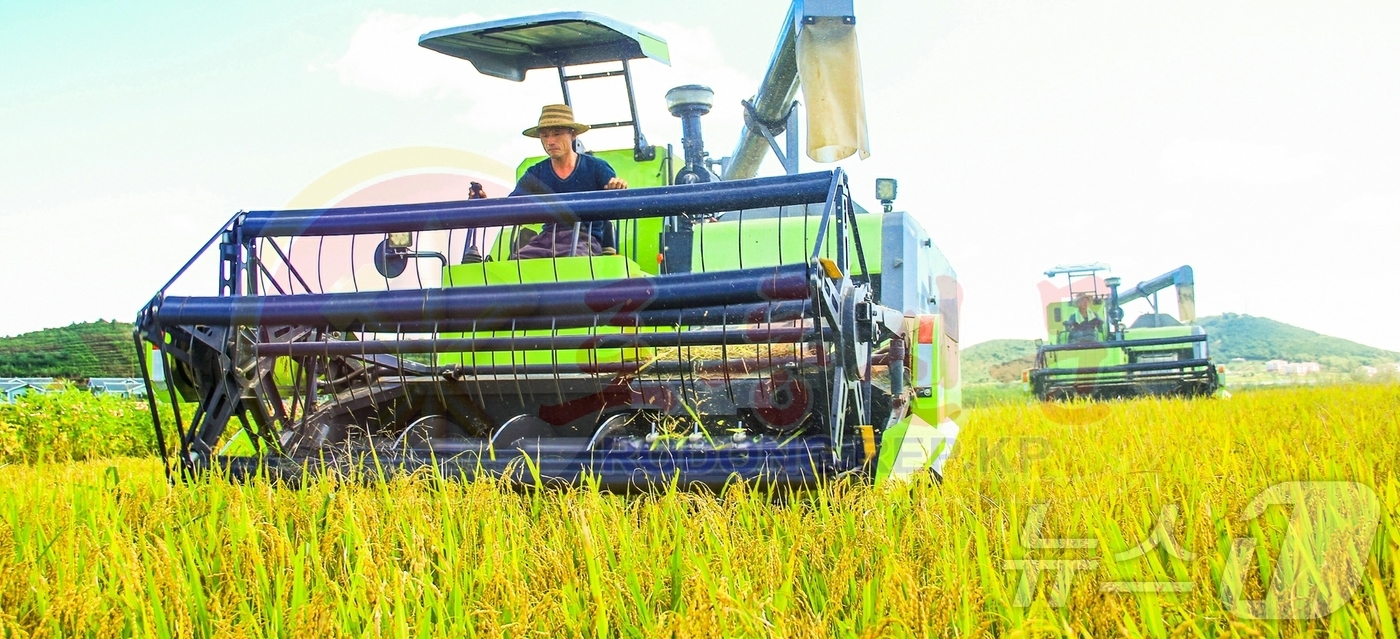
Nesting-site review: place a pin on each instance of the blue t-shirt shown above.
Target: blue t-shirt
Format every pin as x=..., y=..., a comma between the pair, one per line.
x=590, y=174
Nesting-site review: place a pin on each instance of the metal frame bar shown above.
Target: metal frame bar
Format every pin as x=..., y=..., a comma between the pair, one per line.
x=550, y=342
x=1125, y=344
x=663, y=201
x=672, y=292
x=777, y=311
x=1123, y=368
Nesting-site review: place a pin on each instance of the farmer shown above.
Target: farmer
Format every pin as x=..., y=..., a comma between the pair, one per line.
x=566, y=171
x=1084, y=323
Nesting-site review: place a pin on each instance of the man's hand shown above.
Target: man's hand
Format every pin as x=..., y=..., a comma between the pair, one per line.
x=616, y=183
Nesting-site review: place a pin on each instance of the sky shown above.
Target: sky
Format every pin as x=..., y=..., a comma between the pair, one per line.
x=1256, y=141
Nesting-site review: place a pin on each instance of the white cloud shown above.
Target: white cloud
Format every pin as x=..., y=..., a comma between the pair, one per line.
x=383, y=55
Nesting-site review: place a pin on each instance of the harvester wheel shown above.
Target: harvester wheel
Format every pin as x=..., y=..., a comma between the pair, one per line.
x=781, y=404
x=854, y=353
x=620, y=423
x=521, y=427
x=427, y=430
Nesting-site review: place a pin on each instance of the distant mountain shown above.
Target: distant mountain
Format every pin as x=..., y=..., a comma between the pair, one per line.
x=999, y=360
x=76, y=351
x=1231, y=335
x=1260, y=338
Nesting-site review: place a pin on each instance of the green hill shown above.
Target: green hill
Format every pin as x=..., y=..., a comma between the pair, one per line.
x=76, y=351
x=1231, y=335
x=998, y=360
x=1260, y=338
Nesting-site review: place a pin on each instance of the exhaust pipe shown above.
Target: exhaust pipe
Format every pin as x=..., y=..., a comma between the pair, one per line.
x=688, y=103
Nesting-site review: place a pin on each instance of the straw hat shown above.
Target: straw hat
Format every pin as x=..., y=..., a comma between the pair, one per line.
x=560, y=115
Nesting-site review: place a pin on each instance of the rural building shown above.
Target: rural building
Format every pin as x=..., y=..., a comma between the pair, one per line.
x=1284, y=367
x=15, y=386
x=1372, y=371
x=120, y=386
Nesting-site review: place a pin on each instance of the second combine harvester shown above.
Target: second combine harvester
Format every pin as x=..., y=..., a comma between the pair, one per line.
x=763, y=328
x=1091, y=354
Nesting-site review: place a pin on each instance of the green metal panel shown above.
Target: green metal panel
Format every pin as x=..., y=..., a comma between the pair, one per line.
x=912, y=445
x=560, y=269
x=927, y=400
x=933, y=380
x=928, y=407
x=946, y=398
x=563, y=269
x=654, y=47
x=1089, y=358
x=891, y=441
x=747, y=243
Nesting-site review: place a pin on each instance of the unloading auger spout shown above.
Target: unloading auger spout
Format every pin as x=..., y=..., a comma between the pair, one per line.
x=816, y=50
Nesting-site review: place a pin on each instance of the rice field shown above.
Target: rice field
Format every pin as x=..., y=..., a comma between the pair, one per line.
x=1143, y=518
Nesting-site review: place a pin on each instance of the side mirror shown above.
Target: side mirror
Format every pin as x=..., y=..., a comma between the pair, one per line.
x=392, y=255
x=391, y=260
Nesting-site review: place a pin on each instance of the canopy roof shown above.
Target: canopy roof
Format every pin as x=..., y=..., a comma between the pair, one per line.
x=508, y=48
x=1077, y=269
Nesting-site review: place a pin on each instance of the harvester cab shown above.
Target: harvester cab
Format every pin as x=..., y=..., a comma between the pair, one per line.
x=510, y=48
x=1089, y=352
x=1080, y=317
x=763, y=328
x=580, y=47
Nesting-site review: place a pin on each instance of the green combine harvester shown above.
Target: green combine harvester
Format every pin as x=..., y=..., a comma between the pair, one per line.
x=1090, y=354
x=762, y=328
